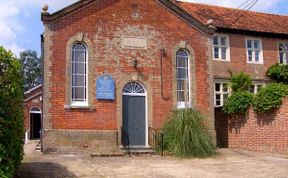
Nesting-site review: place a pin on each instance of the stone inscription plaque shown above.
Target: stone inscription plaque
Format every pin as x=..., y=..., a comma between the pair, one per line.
x=134, y=42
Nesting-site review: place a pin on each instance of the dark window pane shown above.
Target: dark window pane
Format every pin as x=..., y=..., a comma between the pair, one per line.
x=252, y=88
x=223, y=41
x=78, y=93
x=182, y=62
x=256, y=44
x=223, y=53
x=180, y=96
x=216, y=52
x=182, y=73
x=217, y=86
x=225, y=87
x=181, y=85
x=250, y=55
x=79, y=56
x=281, y=58
x=78, y=80
x=249, y=43
x=257, y=56
x=218, y=96
x=78, y=68
x=215, y=40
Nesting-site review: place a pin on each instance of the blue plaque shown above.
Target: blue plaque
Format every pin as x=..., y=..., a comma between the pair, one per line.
x=105, y=88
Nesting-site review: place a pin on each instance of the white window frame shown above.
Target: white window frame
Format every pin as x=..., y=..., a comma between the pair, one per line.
x=79, y=103
x=221, y=93
x=284, y=54
x=221, y=46
x=180, y=104
x=256, y=86
x=261, y=60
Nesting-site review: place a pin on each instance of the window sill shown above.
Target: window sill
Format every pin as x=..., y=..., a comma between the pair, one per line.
x=82, y=108
x=221, y=60
x=259, y=63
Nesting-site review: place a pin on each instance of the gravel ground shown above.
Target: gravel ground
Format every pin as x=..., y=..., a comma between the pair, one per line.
x=229, y=163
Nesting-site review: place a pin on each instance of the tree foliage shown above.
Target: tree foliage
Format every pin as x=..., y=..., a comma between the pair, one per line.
x=240, y=82
x=186, y=134
x=269, y=97
x=11, y=116
x=278, y=72
x=238, y=102
x=31, y=69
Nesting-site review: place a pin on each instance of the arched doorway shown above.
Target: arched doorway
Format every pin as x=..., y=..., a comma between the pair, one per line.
x=134, y=126
x=35, y=123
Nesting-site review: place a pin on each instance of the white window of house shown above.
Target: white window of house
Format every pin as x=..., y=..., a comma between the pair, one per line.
x=79, y=75
x=255, y=87
x=221, y=49
x=283, y=53
x=221, y=93
x=254, y=50
x=183, y=79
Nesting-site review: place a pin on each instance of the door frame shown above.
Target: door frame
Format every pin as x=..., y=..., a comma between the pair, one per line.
x=30, y=124
x=146, y=109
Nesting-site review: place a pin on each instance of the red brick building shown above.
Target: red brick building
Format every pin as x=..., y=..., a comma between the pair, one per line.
x=32, y=113
x=115, y=68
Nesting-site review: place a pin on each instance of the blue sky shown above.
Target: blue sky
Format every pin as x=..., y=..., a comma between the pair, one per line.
x=21, y=27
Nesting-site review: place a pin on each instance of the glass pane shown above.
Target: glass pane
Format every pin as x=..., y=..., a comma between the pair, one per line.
x=223, y=53
x=182, y=73
x=281, y=47
x=78, y=93
x=223, y=40
x=180, y=96
x=218, y=103
x=256, y=44
x=250, y=55
x=216, y=52
x=286, y=57
x=217, y=86
x=257, y=56
x=78, y=80
x=78, y=68
x=79, y=56
x=249, y=43
x=182, y=62
x=215, y=40
x=225, y=96
x=281, y=58
x=181, y=85
x=218, y=96
x=225, y=87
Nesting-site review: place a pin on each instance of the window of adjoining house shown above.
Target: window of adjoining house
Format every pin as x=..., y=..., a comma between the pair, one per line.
x=79, y=75
x=254, y=51
x=183, y=79
x=221, y=48
x=283, y=53
x=255, y=88
x=221, y=93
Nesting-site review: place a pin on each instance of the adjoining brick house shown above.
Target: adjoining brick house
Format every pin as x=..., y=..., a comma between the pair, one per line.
x=121, y=66
x=32, y=113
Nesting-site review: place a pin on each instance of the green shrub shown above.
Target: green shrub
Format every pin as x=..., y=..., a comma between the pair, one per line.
x=185, y=134
x=238, y=102
x=278, y=73
x=11, y=116
x=269, y=97
x=240, y=82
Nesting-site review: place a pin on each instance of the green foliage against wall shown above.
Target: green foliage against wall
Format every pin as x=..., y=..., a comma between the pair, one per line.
x=185, y=134
x=278, y=72
x=11, y=116
x=238, y=102
x=270, y=97
x=240, y=82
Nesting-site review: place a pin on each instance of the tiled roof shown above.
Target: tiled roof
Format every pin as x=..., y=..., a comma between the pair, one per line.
x=224, y=17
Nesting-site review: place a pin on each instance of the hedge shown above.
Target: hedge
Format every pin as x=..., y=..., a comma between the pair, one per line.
x=11, y=116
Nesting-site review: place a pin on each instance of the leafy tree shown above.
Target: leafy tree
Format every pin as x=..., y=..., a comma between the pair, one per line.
x=31, y=69
x=11, y=115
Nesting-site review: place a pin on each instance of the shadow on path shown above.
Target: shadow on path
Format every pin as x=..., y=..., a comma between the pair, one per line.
x=43, y=170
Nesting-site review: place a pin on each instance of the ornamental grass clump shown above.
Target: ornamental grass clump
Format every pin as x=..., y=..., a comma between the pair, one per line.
x=186, y=135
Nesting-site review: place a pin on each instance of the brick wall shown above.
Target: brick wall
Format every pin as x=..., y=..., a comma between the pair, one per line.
x=265, y=133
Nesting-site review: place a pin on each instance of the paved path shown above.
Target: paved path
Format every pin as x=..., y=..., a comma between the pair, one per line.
x=230, y=163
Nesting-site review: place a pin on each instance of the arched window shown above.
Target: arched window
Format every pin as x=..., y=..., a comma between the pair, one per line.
x=183, y=79
x=79, y=75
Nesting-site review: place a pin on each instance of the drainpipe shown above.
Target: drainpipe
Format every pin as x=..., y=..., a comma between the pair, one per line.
x=42, y=96
x=161, y=65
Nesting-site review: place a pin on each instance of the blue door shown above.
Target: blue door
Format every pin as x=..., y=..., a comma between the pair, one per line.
x=134, y=115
